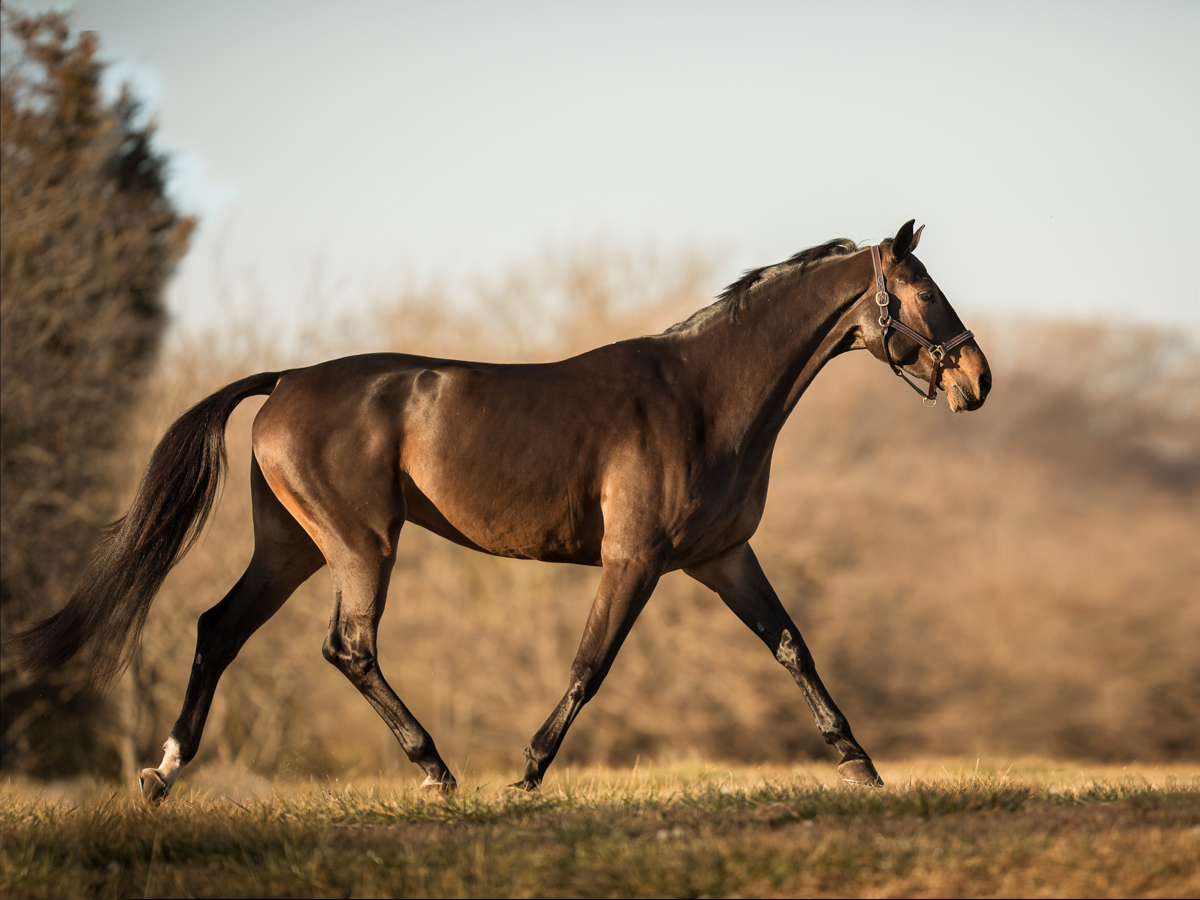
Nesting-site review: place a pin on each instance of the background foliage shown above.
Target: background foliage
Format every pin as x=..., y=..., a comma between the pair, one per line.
x=87, y=241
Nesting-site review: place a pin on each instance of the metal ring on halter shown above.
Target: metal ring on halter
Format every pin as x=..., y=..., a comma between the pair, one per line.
x=929, y=403
x=938, y=352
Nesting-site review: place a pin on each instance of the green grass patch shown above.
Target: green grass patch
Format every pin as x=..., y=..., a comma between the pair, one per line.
x=658, y=833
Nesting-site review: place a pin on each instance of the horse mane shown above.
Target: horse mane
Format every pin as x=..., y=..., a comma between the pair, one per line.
x=736, y=296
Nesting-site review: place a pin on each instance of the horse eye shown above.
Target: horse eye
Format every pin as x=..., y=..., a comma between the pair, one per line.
x=926, y=296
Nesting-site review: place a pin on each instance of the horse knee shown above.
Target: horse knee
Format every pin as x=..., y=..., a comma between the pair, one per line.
x=353, y=662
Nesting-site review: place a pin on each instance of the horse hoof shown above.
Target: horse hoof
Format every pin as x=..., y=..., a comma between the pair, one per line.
x=444, y=785
x=154, y=786
x=860, y=771
x=525, y=786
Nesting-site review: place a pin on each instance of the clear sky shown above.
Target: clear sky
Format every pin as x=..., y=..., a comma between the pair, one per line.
x=1053, y=149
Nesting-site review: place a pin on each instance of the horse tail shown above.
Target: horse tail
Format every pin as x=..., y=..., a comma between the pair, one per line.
x=108, y=610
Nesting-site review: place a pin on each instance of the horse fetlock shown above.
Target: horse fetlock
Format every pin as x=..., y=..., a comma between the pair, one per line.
x=531, y=758
x=420, y=749
x=836, y=731
x=436, y=770
x=531, y=780
x=535, y=769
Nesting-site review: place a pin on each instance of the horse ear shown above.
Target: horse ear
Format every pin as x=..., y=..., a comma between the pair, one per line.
x=902, y=243
x=916, y=239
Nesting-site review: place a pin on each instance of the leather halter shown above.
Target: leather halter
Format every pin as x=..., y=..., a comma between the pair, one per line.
x=938, y=351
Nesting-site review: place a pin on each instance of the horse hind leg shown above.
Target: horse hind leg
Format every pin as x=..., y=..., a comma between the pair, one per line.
x=625, y=587
x=284, y=558
x=360, y=581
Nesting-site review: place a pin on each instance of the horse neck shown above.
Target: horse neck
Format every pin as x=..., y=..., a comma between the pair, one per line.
x=760, y=365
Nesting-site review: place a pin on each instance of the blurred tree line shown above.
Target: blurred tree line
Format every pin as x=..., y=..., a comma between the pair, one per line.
x=88, y=239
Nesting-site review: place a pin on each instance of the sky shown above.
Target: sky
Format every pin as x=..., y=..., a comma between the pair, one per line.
x=344, y=150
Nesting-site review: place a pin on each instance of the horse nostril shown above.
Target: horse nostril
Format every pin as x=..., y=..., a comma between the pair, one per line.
x=985, y=384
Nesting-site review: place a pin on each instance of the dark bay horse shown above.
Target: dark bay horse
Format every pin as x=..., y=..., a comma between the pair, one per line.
x=643, y=457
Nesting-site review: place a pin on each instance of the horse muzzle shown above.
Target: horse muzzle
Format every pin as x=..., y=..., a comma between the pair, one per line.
x=969, y=382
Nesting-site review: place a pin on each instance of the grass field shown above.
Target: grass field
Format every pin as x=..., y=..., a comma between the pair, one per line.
x=938, y=829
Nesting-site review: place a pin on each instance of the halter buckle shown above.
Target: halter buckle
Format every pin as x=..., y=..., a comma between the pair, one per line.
x=938, y=353
x=883, y=299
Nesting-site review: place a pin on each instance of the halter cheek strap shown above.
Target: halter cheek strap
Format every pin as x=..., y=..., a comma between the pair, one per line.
x=938, y=351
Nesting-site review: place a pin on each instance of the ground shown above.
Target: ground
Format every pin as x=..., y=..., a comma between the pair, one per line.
x=937, y=829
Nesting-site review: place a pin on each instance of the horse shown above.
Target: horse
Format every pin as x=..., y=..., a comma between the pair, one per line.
x=645, y=456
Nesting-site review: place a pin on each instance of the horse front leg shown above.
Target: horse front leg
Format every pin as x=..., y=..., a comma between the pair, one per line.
x=739, y=580
x=625, y=586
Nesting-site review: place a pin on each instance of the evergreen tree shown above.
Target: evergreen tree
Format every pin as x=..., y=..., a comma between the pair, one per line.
x=88, y=239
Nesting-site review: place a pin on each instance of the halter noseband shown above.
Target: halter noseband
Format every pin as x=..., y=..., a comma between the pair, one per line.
x=938, y=351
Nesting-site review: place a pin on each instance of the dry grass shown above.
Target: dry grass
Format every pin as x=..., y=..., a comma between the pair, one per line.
x=944, y=829
x=1017, y=580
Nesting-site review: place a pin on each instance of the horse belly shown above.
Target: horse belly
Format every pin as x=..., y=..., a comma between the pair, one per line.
x=508, y=502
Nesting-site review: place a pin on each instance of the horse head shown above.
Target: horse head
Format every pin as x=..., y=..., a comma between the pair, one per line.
x=917, y=330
